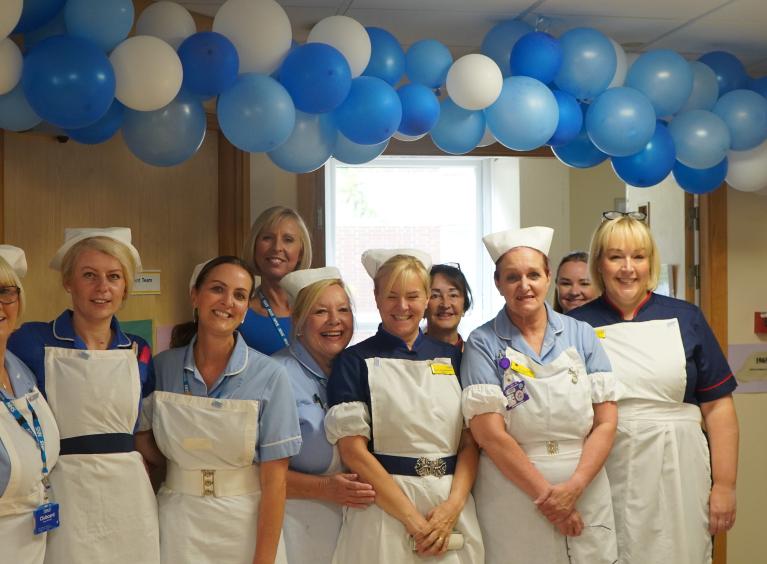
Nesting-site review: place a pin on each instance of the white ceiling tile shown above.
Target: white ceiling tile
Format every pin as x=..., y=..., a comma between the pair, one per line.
x=653, y=9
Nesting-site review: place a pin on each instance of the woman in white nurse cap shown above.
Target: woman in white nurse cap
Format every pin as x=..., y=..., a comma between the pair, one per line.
x=539, y=399
x=94, y=375
x=395, y=414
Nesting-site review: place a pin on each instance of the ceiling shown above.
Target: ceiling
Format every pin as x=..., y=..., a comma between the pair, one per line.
x=691, y=27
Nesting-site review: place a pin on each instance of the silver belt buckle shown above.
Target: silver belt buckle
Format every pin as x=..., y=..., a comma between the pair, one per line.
x=208, y=482
x=427, y=467
x=552, y=447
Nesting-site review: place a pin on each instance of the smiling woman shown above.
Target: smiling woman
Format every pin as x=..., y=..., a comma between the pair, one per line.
x=449, y=299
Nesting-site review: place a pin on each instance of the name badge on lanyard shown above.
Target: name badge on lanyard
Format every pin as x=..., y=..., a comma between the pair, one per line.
x=46, y=517
x=515, y=394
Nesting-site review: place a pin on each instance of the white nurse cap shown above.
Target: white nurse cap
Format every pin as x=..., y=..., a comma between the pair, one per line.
x=74, y=235
x=15, y=258
x=294, y=282
x=538, y=238
x=196, y=273
x=374, y=259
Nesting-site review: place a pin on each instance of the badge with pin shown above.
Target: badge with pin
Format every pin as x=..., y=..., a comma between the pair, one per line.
x=515, y=394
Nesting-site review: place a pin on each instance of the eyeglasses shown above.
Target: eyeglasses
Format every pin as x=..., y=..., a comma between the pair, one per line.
x=9, y=294
x=453, y=264
x=614, y=214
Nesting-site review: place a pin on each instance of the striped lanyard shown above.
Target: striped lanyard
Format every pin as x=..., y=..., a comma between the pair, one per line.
x=270, y=311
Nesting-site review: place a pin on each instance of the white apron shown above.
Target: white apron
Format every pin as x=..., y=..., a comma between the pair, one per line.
x=25, y=491
x=415, y=413
x=550, y=427
x=108, y=510
x=209, y=501
x=659, y=467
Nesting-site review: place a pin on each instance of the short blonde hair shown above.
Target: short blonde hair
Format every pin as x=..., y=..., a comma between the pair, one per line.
x=632, y=231
x=268, y=219
x=8, y=277
x=308, y=297
x=399, y=269
x=106, y=245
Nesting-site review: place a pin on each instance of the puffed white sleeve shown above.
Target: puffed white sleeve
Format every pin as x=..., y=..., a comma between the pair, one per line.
x=349, y=399
x=602, y=387
x=347, y=419
x=481, y=378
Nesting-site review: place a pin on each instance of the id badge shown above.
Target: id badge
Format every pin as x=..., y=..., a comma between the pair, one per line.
x=515, y=394
x=46, y=517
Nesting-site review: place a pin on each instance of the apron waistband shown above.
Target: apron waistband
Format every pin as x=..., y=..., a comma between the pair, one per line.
x=552, y=448
x=104, y=443
x=216, y=483
x=407, y=466
x=637, y=409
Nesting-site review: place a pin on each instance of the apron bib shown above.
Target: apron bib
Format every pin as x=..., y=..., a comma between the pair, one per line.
x=550, y=426
x=25, y=492
x=108, y=509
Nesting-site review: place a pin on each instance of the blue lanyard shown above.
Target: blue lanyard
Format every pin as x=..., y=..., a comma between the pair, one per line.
x=37, y=434
x=268, y=308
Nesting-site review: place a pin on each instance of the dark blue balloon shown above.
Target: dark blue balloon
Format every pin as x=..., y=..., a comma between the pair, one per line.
x=458, y=130
x=700, y=180
x=580, y=152
x=56, y=26
x=387, y=59
x=759, y=85
x=68, y=81
x=36, y=13
x=570, y=119
x=427, y=62
x=537, y=55
x=650, y=165
x=210, y=63
x=317, y=77
x=103, y=129
x=420, y=109
x=730, y=72
x=371, y=113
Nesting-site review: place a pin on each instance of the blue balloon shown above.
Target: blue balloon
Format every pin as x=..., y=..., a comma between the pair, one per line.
x=620, y=121
x=588, y=63
x=256, y=114
x=103, y=129
x=353, y=153
x=387, y=59
x=105, y=22
x=427, y=62
x=759, y=85
x=68, y=81
x=664, y=77
x=309, y=146
x=36, y=13
x=210, y=63
x=371, y=113
x=56, y=26
x=537, y=55
x=499, y=41
x=317, y=77
x=730, y=72
x=168, y=136
x=705, y=88
x=701, y=138
x=745, y=113
x=700, y=180
x=15, y=112
x=525, y=115
x=458, y=130
x=570, y=119
x=650, y=165
x=580, y=152
x=420, y=109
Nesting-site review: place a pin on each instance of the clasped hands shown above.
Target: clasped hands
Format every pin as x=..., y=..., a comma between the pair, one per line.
x=431, y=533
x=557, y=504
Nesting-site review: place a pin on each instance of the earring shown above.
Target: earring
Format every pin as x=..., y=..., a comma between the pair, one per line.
x=195, y=315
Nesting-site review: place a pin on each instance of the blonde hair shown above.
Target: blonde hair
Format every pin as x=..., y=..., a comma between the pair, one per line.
x=8, y=277
x=108, y=246
x=633, y=232
x=400, y=269
x=307, y=298
x=268, y=219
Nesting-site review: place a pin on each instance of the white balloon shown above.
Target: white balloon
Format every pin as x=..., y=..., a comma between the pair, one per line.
x=621, y=65
x=169, y=21
x=148, y=73
x=630, y=59
x=259, y=29
x=747, y=170
x=474, y=81
x=11, y=62
x=487, y=139
x=348, y=36
x=408, y=138
x=10, y=12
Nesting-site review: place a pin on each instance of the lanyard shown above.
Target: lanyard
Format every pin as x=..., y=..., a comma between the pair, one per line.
x=268, y=308
x=36, y=434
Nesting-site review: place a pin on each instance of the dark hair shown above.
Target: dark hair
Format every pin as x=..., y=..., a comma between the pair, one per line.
x=573, y=256
x=183, y=333
x=455, y=277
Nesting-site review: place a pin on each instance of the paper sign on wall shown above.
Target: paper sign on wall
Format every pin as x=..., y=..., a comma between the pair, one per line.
x=147, y=282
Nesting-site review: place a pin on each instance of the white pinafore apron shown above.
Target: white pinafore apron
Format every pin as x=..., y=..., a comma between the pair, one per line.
x=25, y=492
x=415, y=413
x=210, y=499
x=107, y=506
x=550, y=427
x=659, y=467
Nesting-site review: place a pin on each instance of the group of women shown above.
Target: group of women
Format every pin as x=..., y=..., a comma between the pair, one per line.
x=544, y=438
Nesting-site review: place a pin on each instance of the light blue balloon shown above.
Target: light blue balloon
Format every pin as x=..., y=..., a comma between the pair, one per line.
x=256, y=114
x=664, y=77
x=168, y=136
x=309, y=146
x=588, y=63
x=15, y=112
x=105, y=22
x=500, y=40
x=525, y=115
x=705, y=89
x=353, y=153
x=580, y=152
x=621, y=121
x=427, y=62
x=745, y=113
x=701, y=138
x=458, y=130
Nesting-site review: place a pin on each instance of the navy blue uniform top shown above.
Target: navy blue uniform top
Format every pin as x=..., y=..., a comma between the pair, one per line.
x=708, y=375
x=260, y=333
